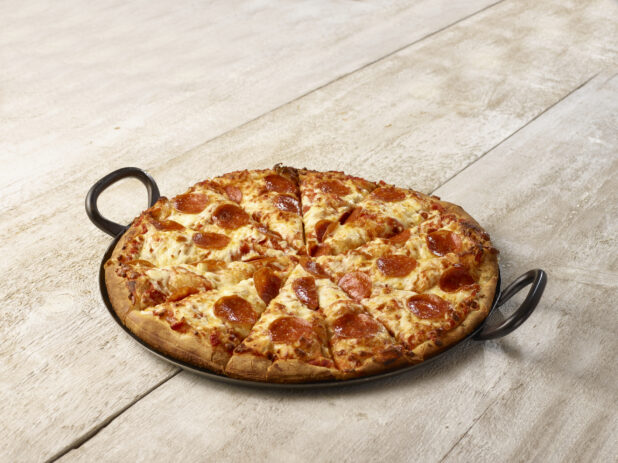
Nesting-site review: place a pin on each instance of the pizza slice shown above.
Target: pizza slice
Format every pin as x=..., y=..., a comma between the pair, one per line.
x=203, y=328
x=360, y=345
x=226, y=233
x=327, y=198
x=415, y=259
x=271, y=197
x=387, y=211
x=137, y=285
x=426, y=323
x=289, y=343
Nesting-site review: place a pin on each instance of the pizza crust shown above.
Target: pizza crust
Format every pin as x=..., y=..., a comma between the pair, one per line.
x=248, y=366
x=373, y=366
x=295, y=371
x=117, y=290
x=187, y=347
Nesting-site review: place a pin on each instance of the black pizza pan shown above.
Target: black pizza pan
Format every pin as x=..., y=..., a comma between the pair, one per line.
x=536, y=278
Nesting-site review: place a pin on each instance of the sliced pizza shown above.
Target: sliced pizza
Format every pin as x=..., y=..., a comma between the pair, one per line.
x=327, y=199
x=415, y=259
x=271, y=197
x=426, y=323
x=289, y=343
x=226, y=233
x=360, y=345
x=203, y=328
x=138, y=284
x=288, y=275
x=387, y=211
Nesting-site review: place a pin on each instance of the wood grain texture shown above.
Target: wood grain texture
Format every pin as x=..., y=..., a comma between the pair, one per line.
x=432, y=108
x=418, y=116
x=544, y=393
x=131, y=83
x=561, y=213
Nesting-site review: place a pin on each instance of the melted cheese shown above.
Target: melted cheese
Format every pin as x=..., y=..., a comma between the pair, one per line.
x=198, y=310
x=408, y=212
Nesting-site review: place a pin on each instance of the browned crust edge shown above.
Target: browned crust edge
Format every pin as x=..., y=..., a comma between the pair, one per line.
x=117, y=289
x=373, y=366
x=248, y=366
x=188, y=347
x=296, y=371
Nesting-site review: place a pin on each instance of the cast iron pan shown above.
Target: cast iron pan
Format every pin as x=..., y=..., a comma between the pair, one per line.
x=536, y=278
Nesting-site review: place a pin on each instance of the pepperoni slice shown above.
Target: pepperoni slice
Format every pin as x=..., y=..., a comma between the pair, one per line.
x=400, y=238
x=392, y=227
x=267, y=284
x=396, y=265
x=279, y=184
x=320, y=229
x=182, y=326
x=290, y=329
x=167, y=225
x=211, y=265
x=190, y=203
x=233, y=193
x=230, y=216
x=442, y=242
x=356, y=284
x=313, y=267
x=235, y=309
x=208, y=240
x=154, y=297
x=455, y=278
x=320, y=250
x=355, y=325
x=345, y=216
x=306, y=291
x=388, y=194
x=181, y=293
x=287, y=204
x=428, y=306
x=355, y=216
x=334, y=187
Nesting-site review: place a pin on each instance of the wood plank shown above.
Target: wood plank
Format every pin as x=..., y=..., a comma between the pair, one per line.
x=556, y=208
x=65, y=395
x=544, y=393
x=114, y=83
x=419, y=116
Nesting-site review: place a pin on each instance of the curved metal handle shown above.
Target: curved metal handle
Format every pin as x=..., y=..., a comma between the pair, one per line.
x=538, y=279
x=109, y=227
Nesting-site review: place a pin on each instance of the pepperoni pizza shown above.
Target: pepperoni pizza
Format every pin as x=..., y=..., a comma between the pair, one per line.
x=291, y=275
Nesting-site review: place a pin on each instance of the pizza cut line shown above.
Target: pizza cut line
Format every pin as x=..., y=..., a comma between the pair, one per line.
x=294, y=275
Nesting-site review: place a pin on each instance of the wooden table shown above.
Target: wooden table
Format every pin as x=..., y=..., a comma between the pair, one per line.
x=509, y=108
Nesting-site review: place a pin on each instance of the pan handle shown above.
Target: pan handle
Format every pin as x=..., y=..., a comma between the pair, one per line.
x=109, y=227
x=538, y=279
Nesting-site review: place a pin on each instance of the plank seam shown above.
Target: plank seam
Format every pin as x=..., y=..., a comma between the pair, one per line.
x=469, y=429
x=103, y=424
x=560, y=100
x=568, y=94
x=338, y=78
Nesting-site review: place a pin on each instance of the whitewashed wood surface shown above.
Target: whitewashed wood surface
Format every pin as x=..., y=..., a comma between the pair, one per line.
x=508, y=108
